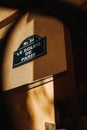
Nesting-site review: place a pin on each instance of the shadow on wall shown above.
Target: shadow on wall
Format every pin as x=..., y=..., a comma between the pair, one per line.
x=22, y=106
x=14, y=111
x=5, y=115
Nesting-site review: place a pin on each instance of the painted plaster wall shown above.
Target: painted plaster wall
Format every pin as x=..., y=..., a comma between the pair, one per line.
x=52, y=63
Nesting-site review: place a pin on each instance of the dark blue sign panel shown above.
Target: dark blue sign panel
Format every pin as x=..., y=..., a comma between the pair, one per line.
x=31, y=48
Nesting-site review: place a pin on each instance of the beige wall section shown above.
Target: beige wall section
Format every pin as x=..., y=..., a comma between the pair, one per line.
x=51, y=63
x=7, y=18
x=40, y=105
x=30, y=109
x=6, y=12
x=4, y=30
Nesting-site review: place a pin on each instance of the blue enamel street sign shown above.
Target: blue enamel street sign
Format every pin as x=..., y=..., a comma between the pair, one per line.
x=31, y=48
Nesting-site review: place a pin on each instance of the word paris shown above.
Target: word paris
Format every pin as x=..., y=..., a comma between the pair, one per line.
x=31, y=48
